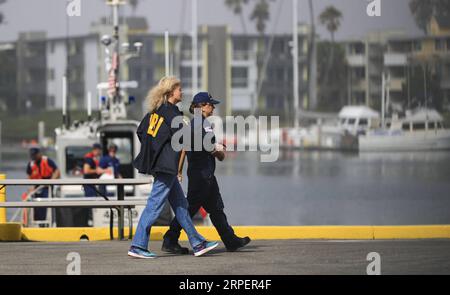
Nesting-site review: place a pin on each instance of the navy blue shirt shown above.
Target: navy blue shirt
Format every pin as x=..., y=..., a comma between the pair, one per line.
x=201, y=162
x=110, y=162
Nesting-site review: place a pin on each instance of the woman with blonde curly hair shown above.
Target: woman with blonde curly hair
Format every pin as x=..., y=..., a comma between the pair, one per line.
x=158, y=158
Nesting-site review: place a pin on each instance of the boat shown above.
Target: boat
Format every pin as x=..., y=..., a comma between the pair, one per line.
x=74, y=140
x=339, y=132
x=419, y=130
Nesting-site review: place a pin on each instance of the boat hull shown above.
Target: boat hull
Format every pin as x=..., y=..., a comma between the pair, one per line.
x=408, y=141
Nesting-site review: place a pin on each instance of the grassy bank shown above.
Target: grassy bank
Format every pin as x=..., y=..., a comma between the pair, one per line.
x=18, y=127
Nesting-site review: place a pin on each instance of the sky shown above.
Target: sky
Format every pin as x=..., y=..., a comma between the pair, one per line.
x=174, y=15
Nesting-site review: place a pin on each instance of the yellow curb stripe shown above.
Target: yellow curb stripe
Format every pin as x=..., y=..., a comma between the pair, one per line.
x=256, y=233
x=412, y=232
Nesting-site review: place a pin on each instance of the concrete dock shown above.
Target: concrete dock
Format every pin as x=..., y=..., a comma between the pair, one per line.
x=260, y=257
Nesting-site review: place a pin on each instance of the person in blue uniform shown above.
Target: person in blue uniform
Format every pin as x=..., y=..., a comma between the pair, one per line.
x=157, y=157
x=90, y=171
x=203, y=190
x=109, y=164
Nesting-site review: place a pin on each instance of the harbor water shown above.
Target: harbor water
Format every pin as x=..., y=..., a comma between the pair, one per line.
x=323, y=188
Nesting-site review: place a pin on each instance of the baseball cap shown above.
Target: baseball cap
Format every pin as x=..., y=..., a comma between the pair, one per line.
x=34, y=150
x=204, y=97
x=97, y=146
x=112, y=146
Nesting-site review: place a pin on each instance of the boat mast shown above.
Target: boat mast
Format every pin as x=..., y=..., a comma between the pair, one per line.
x=383, y=93
x=194, y=49
x=295, y=61
x=166, y=53
x=115, y=102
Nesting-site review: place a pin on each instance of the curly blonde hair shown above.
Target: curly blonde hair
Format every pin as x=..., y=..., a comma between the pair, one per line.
x=161, y=92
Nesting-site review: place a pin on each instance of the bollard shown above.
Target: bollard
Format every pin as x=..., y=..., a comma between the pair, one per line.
x=3, y=199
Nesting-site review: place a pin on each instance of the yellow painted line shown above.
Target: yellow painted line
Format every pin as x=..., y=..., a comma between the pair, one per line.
x=412, y=232
x=10, y=231
x=256, y=233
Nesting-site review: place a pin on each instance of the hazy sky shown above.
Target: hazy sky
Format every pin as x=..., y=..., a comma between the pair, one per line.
x=174, y=15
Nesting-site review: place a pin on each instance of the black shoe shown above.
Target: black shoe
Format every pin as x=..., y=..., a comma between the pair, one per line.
x=237, y=243
x=173, y=248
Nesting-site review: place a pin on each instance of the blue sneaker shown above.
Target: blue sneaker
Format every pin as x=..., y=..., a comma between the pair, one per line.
x=140, y=253
x=204, y=247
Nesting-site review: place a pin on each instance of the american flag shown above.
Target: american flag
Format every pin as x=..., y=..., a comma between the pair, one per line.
x=112, y=79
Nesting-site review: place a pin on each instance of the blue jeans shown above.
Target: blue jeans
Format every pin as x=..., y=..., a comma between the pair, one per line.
x=165, y=186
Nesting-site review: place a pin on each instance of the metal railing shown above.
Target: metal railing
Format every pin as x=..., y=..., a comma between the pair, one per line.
x=120, y=204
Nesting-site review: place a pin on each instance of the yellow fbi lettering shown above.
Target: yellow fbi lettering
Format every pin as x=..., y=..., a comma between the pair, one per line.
x=155, y=122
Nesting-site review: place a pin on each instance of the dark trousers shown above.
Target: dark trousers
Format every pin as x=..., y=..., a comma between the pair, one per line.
x=204, y=192
x=40, y=214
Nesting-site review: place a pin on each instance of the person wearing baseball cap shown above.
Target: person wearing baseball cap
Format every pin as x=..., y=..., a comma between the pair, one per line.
x=203, y=189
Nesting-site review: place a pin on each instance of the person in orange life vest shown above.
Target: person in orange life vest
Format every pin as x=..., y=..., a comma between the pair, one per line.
x=91, y=169
x=41, y=167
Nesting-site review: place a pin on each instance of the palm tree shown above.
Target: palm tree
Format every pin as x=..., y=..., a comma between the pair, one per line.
x=2, y=19
x=236, y=6
x=261, y=15
x=134, y=4
x=423, y=11
x=331, y=18
x=312, y=58
x=260, y=12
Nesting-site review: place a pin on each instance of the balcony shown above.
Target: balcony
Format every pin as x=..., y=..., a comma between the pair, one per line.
x=243, y=55
x=395, y=59
x=445, y=82
x=359, y=84
x=396, y=84
x=357, y=60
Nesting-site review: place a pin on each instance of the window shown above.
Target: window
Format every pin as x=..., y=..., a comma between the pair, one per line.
x=241, y=49
x=52, y=47
x=239, y=77
x=186, y=76
x=279, y=46
x=75, y=159
x=75, y=47
x=417, y=46
x=51, y=74
x=439, y=45
x=135, y=74
x=358, y=73
x=431, y=125
x=124, y=153
x=51, y=101
x=351, y=121
x=397, y=72
x=363, y=122
x=419, y=126
x=357, y=48
x=405, y=126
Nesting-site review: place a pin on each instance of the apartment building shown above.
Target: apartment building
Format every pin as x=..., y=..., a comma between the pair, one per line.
x=395, y=54
x=248, y=73
x=431, y=52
